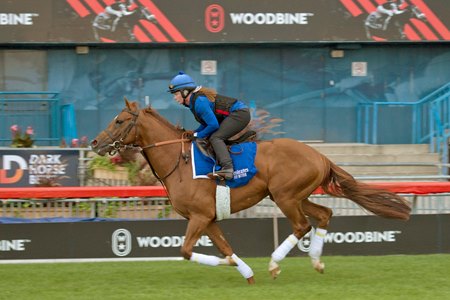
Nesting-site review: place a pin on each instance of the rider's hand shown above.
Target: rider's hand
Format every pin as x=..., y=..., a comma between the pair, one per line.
x=189, y=134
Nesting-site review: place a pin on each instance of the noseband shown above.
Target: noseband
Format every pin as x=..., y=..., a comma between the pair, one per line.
x=117, y=144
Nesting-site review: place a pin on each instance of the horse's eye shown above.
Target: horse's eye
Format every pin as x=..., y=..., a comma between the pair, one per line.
x=119, y=122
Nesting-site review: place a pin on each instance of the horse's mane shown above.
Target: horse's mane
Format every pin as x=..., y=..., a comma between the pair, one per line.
x=161, y=119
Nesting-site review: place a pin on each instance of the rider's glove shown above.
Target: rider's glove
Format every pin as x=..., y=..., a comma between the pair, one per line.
x=189, y=134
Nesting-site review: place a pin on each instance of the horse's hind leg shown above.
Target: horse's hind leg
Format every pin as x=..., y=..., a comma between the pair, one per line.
x=291, y=208
x=322, y=215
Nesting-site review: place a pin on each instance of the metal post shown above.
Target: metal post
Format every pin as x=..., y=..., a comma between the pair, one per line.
x=375, y=123
x=358, y=123
x=366, y=124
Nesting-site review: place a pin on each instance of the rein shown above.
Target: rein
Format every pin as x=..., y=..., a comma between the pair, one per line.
x=182, y=140
x=169, y=142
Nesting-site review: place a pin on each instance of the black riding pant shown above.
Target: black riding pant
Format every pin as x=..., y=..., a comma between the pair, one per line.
x=230, y=126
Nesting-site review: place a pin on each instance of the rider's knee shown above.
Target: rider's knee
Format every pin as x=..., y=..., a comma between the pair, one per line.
x=217, y=137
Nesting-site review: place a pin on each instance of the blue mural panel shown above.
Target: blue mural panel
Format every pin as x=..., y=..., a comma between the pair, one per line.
x=315, y=94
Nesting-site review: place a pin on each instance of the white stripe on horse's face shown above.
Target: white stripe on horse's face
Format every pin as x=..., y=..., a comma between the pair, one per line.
x=115, y=118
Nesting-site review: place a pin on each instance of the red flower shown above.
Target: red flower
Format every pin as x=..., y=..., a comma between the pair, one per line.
x=116, y=159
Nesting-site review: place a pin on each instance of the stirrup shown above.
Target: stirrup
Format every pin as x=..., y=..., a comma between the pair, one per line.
x=221, y=176
x=214, y=175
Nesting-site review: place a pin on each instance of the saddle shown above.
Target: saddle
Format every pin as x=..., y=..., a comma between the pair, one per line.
x=205, y=146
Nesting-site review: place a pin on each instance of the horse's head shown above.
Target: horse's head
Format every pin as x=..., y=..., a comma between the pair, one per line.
x=121, y=131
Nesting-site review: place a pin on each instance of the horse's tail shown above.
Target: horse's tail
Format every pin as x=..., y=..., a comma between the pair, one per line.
x=381, y=202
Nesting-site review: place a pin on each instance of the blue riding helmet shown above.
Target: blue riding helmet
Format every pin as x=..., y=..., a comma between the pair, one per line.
x=181, y=82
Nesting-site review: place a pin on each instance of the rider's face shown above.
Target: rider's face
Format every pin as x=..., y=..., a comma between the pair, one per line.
x=179, y=98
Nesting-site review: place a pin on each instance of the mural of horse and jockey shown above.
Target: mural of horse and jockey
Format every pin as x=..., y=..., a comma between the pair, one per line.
x=389, y=19
x=119, y=19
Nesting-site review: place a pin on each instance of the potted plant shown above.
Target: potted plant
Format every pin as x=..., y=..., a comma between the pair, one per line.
x=22, y=140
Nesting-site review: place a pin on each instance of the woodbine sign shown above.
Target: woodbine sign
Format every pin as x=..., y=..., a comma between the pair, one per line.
x=245, y=21
x=355, y=235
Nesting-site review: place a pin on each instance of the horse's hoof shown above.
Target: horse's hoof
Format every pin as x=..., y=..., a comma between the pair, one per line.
x=274, y=269
x=319, y=266
x=251, y=280
x=275, y=272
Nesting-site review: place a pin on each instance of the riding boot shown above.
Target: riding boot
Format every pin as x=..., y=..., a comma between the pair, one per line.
x=224, y=159
x=226, y=170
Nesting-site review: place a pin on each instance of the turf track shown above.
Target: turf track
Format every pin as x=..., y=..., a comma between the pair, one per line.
x=346, y=277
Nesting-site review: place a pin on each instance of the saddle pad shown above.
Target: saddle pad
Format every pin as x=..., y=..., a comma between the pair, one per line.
x=243, y=156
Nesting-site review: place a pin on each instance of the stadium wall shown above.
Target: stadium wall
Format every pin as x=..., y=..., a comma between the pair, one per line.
x=307, y=62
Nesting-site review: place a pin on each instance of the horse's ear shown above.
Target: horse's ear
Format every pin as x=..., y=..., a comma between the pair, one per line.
x=127, y=103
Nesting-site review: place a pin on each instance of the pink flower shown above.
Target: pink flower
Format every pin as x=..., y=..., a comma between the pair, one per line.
x=74, y=143
x=84, y=143
x=30, y=130
x=14, y=128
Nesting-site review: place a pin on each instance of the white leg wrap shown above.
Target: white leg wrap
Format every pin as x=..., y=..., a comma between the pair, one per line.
x=284, y=248
x=225, y=261
x=315, y=250
x=242, y=267
x=209, y=260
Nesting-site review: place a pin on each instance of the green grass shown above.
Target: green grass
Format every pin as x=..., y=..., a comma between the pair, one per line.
x=349, y=277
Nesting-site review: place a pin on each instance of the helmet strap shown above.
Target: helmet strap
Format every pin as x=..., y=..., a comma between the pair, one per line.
x=184, y=94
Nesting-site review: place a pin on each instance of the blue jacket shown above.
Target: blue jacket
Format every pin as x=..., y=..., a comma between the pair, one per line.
x=205, y=111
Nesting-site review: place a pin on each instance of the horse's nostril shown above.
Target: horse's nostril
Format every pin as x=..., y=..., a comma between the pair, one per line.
x=94, y=143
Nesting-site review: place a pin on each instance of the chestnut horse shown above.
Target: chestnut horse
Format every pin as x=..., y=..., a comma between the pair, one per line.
x=288, y=172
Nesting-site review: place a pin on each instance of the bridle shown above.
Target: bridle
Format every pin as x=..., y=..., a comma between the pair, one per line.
x=118, y=144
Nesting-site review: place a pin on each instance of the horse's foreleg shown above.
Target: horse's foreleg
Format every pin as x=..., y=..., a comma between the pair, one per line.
x=216, y=235
x=195, y=229
x=322, y=215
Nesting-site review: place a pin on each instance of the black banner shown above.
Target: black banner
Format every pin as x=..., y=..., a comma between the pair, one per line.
x=365, y=235
x=231, y=21
x=29, y=167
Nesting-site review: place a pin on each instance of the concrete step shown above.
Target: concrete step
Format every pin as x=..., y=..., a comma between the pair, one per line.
x=391, y=170
x=386, y=162
x=405, y=178
x=385, y=158
x=357, y=148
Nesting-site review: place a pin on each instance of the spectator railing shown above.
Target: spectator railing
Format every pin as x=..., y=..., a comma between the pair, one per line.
x=430, y=119
x=39, y=110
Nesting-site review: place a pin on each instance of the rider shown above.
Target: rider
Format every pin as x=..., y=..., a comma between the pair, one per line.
x=389, y=9
x=116, y=10
x=220, y=117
